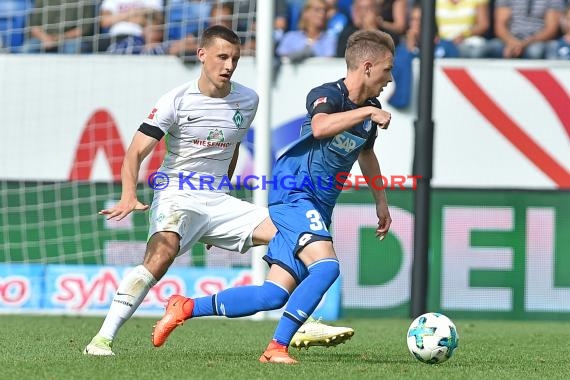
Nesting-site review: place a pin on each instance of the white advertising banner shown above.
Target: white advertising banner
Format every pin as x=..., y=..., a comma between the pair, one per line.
x=89, y=289
x=498, y=124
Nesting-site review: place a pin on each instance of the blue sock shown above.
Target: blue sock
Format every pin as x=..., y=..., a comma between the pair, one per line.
x=241, y=301
x=305, y=298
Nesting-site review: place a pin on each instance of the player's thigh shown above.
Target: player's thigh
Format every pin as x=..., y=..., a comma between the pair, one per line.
x=232, y=222
x=315, y=251
x=281, y=253
x=299, y=226
x=179, y=212
x=282, y=277
x=300, y=222
x=161, y=250
x=263, y=233
x=299, y=216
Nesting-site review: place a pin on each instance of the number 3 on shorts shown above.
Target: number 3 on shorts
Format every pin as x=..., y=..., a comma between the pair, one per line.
x=316, y=221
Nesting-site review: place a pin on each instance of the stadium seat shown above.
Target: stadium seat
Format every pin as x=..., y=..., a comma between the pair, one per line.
x=344, y=6
x=184, y=17
x=295, y=9
x=13, y=18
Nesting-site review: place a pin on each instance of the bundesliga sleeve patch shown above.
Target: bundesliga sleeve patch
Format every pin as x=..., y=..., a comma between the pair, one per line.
x=151, y=114
x=321, y=100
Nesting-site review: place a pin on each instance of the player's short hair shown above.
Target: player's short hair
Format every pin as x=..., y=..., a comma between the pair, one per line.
x=218, y=31
x=367, y=44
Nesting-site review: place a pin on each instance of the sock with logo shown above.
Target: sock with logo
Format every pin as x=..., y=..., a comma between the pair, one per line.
x=241, y=301
x=132, y=291
x=305, y=298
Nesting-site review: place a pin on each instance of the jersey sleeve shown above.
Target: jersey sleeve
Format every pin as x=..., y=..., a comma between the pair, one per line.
x=369, y=144
x=161, y=118
x=323, y=100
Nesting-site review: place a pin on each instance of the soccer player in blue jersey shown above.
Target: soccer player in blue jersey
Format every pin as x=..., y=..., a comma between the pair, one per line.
x=189, y=116
x=341, y=126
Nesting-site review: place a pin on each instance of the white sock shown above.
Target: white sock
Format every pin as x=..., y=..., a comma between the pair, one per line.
x=132, y=291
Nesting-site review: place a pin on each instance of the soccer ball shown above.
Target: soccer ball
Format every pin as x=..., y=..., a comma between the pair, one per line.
x=432, y=338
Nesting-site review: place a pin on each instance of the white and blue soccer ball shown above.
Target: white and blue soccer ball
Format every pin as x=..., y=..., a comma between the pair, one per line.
x=432, y=338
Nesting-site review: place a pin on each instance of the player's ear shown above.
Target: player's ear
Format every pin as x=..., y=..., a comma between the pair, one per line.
x=367, y=67
x=201, y=53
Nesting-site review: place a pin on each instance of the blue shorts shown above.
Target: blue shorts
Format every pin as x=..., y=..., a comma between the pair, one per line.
x=298, y=224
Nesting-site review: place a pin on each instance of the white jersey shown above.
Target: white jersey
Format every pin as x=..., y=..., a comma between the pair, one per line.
x=202, y=132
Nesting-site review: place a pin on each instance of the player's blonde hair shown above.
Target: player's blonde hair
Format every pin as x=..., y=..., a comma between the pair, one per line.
x=302, y=24
x=367, y=44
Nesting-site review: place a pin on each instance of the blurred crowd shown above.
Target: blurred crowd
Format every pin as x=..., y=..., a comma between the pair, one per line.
x=535, y=29
x=509, y=29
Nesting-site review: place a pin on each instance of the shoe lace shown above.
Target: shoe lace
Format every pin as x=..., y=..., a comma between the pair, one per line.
x=313, y=320
x=102, y=342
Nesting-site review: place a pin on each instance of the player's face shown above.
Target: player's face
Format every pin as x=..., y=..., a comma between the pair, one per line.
x=380, y=74
x=219, y=60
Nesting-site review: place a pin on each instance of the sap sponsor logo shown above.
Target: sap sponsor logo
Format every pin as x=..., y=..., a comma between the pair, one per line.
x=345, y=143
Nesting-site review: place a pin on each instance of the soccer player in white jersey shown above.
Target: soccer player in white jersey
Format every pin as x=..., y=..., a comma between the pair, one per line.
x=205, y=121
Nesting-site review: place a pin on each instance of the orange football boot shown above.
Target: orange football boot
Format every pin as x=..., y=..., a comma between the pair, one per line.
x=178, y=310
x=277, y=353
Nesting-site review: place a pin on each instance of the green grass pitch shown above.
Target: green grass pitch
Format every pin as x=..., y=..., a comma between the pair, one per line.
x=49, y=347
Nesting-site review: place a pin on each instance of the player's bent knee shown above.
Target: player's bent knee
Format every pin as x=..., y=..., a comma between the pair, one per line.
x=276, y=303
x=272, y=296
x=327, y=270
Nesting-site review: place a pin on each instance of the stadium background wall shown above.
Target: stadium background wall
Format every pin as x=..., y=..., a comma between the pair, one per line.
x=500, y=213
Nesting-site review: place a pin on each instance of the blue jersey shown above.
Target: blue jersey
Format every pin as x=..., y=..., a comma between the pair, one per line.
x=320, y=166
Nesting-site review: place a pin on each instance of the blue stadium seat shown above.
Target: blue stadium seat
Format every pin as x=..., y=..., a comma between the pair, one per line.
x=13, y=19
x=295, y=9
x=344, y=6
x=185, y=17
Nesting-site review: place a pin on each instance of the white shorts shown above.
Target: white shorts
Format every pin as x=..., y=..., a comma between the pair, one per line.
x=212, y=218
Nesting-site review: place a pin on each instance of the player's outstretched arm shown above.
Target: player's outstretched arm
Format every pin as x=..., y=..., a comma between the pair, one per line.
x=371, y=168
x=140, y=147
x=326, y=125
